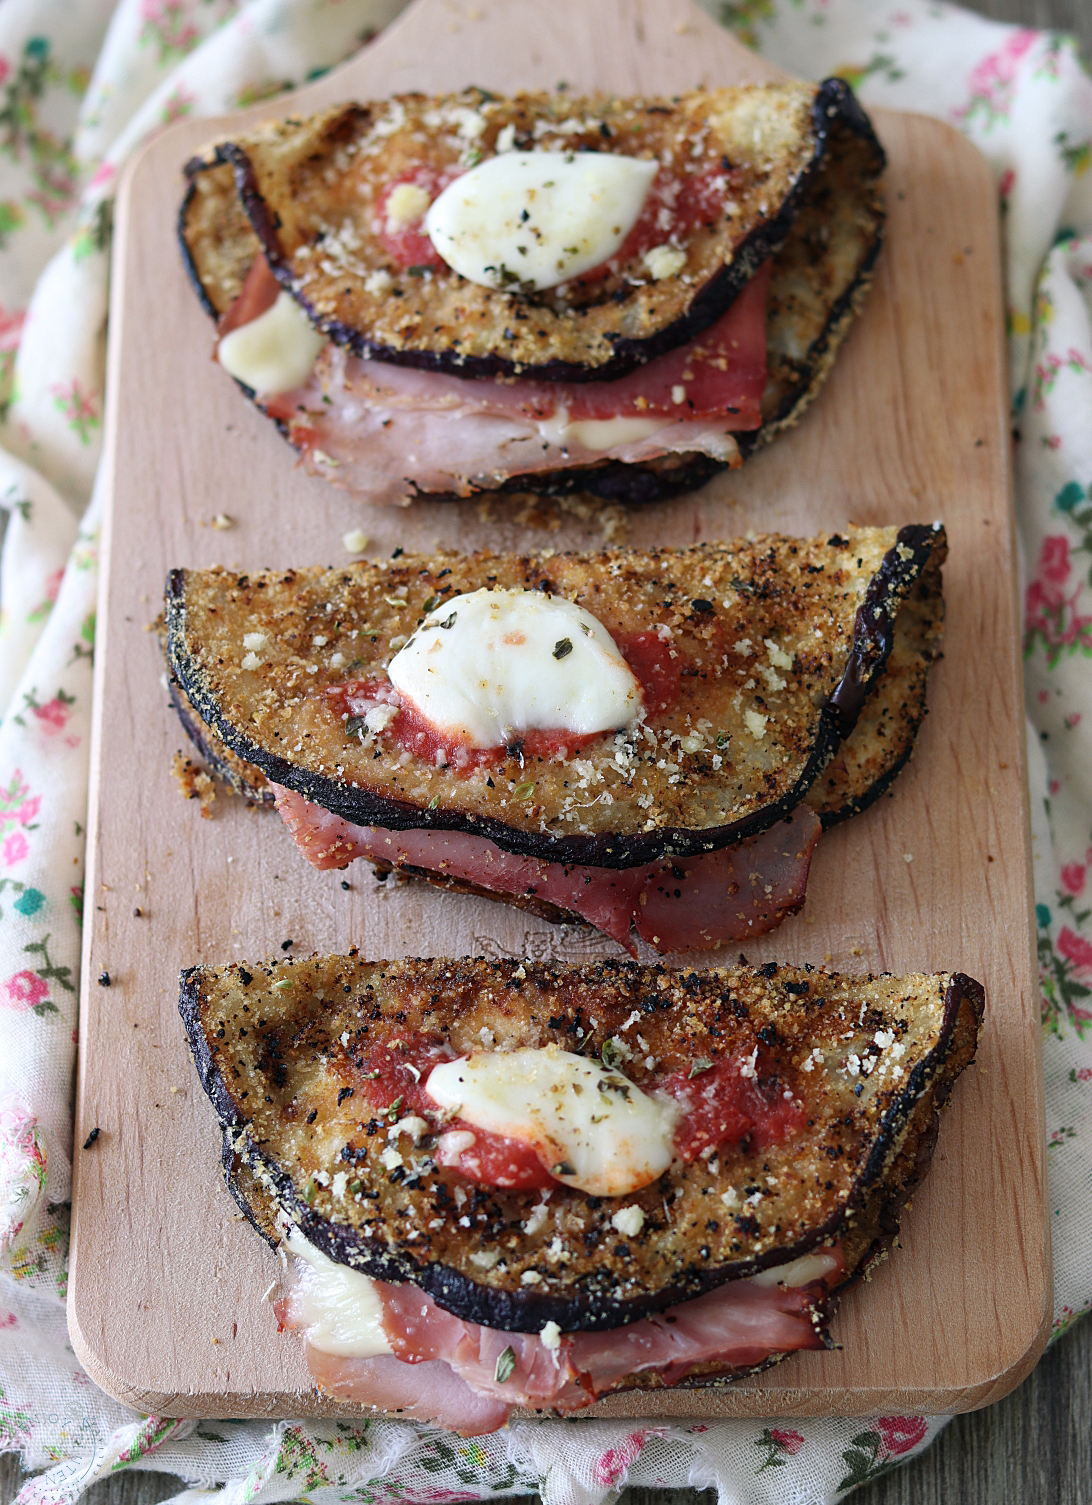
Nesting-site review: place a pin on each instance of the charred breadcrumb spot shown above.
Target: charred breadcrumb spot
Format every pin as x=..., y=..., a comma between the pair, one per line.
x=104, y=979
x=91, y=1138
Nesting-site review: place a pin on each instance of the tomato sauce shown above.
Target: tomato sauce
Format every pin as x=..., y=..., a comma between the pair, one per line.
x=674, y=207
x=721, y=1105
x=656, y=665
x=648, y=657
x=391, y=1079
x=724, y=1106
x=410, y=246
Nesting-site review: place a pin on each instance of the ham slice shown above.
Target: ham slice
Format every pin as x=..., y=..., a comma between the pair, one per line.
x=449, y=1371
x=430, y=1392
x=389, y=431
x=689, y=904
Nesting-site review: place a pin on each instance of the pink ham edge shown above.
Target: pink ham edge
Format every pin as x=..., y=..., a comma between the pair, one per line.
x=734, y=894
x=444, y=1369
x=364, y=423
x=429, y=1392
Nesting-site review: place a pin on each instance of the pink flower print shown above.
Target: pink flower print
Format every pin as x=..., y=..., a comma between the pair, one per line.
x=901, y=1433
x=45, y=606
x=24, y=991
x=1048, y=612
x=179, y=102
x=1005, y=182
x=1054, y=559
x=53, y=715
x=29, y=810
x=15, y=848
x=79, y=408
x=8, y=1319
x=165, y=22
x=103, y=176
x=1073, y=877
x=11, y=324
x=613, y=1464
x=1075, y=949
x=991, y=84
x=1084, y=1073
x=790, y=1442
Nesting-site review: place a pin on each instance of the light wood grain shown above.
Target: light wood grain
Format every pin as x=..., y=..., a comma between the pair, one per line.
x=164, y=1305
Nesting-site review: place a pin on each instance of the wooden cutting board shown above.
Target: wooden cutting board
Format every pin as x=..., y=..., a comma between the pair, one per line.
x=165, y=1305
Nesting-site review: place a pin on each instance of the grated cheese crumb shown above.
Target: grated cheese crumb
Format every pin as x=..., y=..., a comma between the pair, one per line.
x=628, y=1221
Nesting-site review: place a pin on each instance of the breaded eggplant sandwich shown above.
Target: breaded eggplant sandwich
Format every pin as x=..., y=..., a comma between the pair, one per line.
x=442, y=296
x=531, y=1185
x=648, y=740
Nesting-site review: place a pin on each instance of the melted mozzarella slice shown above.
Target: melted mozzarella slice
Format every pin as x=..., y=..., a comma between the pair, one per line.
x=800, y=1272
x=591, y=1127
x=492, y=664
x=274, y=352
x=340, y=1308
x=535, y=219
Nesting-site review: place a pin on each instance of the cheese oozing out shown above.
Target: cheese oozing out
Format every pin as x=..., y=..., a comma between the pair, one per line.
x=340, y=1308
x=274, y=352
x=592, y=1128
x=490, y=665
x=536, y=219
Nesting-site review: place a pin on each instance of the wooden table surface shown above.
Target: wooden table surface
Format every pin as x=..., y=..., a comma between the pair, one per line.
x=1035, y=1446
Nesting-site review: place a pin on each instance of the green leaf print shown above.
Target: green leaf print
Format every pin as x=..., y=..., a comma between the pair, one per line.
x=741, y=17
x=48, y=971
x=25, y=139
x=863, y=1462
x=1061, y=962
x=15, y=1425
x=1075, y=155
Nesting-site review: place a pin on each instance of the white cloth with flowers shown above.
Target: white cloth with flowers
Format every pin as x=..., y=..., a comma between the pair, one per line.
x=82, y=82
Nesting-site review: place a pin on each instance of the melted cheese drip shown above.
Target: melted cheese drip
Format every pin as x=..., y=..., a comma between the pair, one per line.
x=799, y=1272
x=593, y=1129
x=340, y=1308
x=492, y=664
x=599, y=433
x=535, y=219
x=274, y=352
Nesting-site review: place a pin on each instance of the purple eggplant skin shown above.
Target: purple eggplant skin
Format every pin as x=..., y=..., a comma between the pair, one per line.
x=257, y=1183
x=872, y=640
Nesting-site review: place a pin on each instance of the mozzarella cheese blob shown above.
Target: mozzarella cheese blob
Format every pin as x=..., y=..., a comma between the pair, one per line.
x=274, y=352
x=340, y=1308
x=491, y=665
x=532, y=220
x=592, y=1128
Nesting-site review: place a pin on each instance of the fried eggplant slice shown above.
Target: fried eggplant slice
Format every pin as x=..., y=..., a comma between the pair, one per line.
x=756, y=660
x=786, y=174
x=308, y=189
x=286, y=1051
